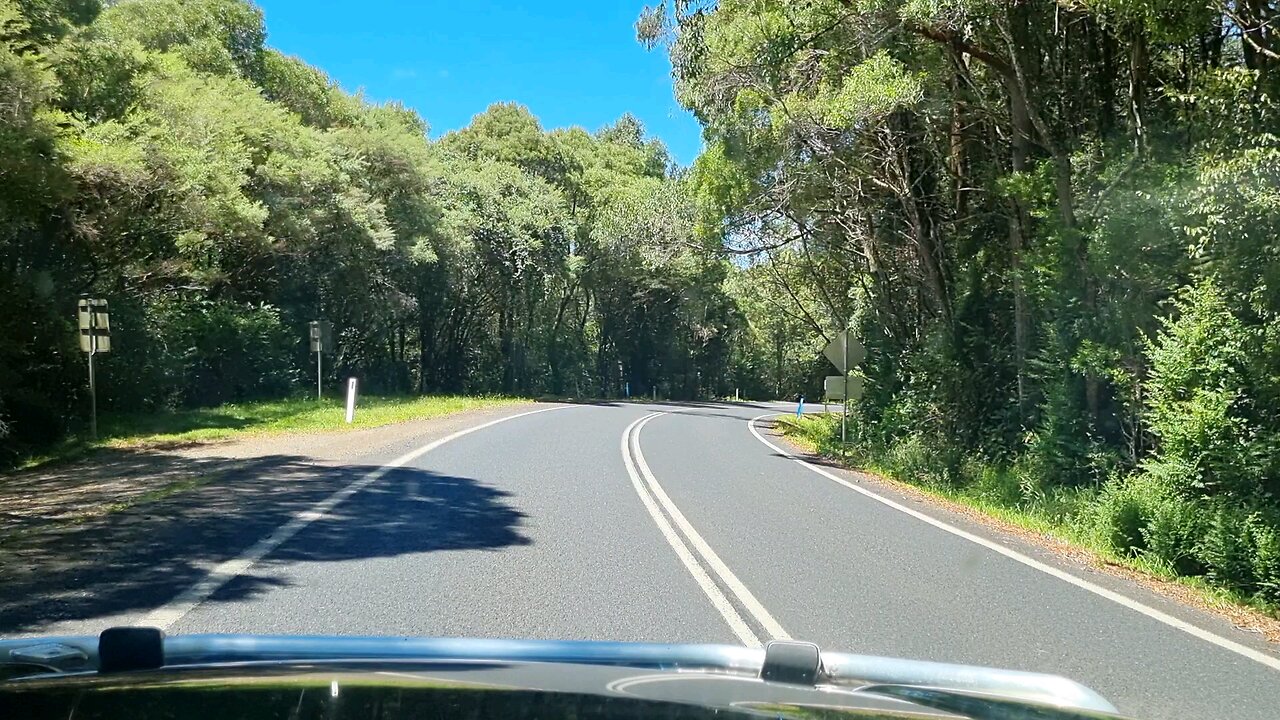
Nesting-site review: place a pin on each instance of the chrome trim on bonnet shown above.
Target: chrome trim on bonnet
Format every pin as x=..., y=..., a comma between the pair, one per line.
x=843, y=669
x=196, y=649
x=849, y=669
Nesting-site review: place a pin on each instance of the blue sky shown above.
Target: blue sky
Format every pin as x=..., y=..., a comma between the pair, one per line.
x=572, y=62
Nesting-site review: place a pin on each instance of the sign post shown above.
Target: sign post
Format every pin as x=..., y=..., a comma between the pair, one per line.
x=95, y=337
x=844, y=352
x=321, y=332
x=844, y=407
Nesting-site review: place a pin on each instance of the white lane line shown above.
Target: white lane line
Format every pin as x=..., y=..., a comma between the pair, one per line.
x=717, y=598
x=726, y=575
x=1154, y=614
x=166, y=615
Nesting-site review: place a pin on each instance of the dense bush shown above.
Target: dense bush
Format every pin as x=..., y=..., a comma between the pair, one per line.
x=1064, y=270
x=222, y=351
x=220, y=195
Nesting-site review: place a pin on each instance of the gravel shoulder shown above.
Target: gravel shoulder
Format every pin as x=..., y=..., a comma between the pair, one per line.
x=101, y=540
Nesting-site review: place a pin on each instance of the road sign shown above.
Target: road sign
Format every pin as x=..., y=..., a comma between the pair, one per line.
x=95, y=337
x=844, y=352
x=833, y=387
x=840, y=345
x=321, y=336
x=95, y=325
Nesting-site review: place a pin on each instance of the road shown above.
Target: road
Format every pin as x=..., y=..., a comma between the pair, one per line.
x=690, y=523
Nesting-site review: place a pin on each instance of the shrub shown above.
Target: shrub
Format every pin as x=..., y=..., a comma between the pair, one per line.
x=1174, y=527
x=996, y=484
x=1119, y=517
x=1265, y=534
x=33, y=418
x=235, y=352
x=203, y=352
x=913, y=460
x=1123, y=516
x=1198, y=393
x=1059, y=446
x=1226, y=550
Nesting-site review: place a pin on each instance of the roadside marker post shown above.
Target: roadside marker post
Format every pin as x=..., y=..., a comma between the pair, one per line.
x=95, y=337
x=351, y=400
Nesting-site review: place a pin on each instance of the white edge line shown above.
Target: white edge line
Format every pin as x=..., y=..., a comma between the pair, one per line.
x=713, y=593
x=735, y=585
x=171, y=612
x=1235, y=647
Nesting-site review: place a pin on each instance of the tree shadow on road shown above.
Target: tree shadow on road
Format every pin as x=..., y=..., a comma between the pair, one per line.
x=137, y=555
x=410, y=511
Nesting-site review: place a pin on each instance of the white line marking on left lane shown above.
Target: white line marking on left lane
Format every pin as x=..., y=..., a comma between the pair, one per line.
x=166, y=615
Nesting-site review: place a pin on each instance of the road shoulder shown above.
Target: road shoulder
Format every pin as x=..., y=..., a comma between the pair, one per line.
x=112, y=535
x=1241, y=625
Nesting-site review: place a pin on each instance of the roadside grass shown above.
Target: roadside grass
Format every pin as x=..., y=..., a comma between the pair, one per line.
x=271, y=417
x=1058, y=514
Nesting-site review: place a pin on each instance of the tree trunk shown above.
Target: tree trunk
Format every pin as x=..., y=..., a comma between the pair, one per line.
x=1020, y=140
x=424, y=346
x=779, y=338
x=553, y=349
x=1137, y=89
x=506, y=346
x=923, y=225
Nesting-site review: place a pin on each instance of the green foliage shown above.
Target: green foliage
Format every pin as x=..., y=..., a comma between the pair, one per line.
x=220, y=37
x=46, y=20
x=1225, y=548
x=1146, y=515
x=1200, y=396
x=218, y=352
x=307, y=91
x=221, y=195
x=872, y=89
x=1051, y=224
x=508, y=133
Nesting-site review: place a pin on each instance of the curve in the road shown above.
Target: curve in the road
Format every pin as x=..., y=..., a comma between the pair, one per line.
x=650, y=491
x=700, y=575
x=1115, y=597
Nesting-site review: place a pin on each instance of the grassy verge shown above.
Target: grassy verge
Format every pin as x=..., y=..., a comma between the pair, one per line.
x=1060, y=514
x=271, y=417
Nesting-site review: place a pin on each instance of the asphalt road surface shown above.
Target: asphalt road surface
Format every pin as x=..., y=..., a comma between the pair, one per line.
x=691, y=523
